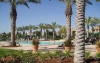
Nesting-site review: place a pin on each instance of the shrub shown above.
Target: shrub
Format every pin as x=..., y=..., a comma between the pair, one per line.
x=87, y=54
x=98, y=44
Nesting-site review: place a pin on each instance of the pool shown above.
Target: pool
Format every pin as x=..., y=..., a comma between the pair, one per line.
x=41, y=43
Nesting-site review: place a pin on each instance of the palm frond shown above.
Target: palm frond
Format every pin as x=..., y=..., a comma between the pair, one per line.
x=23, y=2
x=73, y=2
x=88, y=2
x=34, y=1
x=2, y=0
x=97, y=0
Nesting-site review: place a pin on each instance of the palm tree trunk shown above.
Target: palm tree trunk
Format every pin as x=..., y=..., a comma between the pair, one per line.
x=69, y=27
x=30, y=34
x=13, y=16
x=99, y=31
x=53, y=34
x=87, y=31
x=46, y=34
x=80, y=30
x=41, y=33
x=92, y=32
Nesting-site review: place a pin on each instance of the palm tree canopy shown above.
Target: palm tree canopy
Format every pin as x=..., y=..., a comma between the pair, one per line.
x=40, y=25
x=97, y=0
x=2, y=0
x=13, y=3
x=54, y=25
x=93, y=23
x=87, y=20
x=97, y=20
x=74, y=1
x=30, y=27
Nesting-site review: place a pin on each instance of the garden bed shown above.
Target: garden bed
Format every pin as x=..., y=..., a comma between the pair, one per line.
x=14, y=56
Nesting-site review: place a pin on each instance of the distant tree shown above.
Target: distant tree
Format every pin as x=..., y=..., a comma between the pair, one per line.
x=87, y=23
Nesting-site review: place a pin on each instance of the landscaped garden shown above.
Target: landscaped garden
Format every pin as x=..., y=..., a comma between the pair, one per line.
x=19, y=56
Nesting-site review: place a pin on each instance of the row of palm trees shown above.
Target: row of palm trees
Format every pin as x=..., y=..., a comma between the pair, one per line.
x=80, y=24
x=40, y=27
x=91, y=21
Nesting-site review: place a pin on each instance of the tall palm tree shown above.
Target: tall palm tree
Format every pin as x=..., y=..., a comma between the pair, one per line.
x=41, y=27
x=53, y=27
x=87, y=23
x=13, y=15
x=80, y=30
x=68, y=14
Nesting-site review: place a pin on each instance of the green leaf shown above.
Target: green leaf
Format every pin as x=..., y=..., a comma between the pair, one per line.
x=23, y=2
x=88, y=2
x=2, y=0
x=97, y=0
x=34, y=1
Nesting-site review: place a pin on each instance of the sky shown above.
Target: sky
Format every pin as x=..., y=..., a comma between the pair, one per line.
x=46, y=12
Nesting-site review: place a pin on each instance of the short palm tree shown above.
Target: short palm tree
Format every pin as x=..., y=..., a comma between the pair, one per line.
x=35, y=28
x=46, y=27
x=13, y=15
x=87, y=23
x=80, y=30
x=41, y=27
x=98, y=23
x=92, y=24
x=30, y=27
x=53, y=27
x=62, y=31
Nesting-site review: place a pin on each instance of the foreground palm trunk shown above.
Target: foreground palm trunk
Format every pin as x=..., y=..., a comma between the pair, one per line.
x=13, y=16
x=80, y=30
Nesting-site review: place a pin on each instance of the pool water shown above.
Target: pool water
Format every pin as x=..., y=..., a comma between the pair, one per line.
x=41, y=43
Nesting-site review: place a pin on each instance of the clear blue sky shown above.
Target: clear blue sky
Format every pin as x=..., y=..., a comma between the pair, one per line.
x=46, y=12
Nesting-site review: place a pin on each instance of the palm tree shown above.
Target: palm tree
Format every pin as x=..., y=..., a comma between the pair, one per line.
x=35, y=28
x=87, y=23
x=13, y=15
x=46, y=27
x=97, y=20
x=17, y=32
x=53, y=27
x=23, y=31
x=92, y=24
x=30, y=27
x=41, y=27
x=80, y=30
x=62, y=31
x=68, y=14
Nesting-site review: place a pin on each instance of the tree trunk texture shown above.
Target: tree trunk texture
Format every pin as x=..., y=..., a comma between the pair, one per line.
x=80, y=32
x=69, y=27
x=13, y=16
